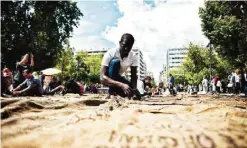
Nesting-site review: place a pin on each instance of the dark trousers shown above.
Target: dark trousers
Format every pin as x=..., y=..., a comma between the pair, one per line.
x=237, y=88
x=245, y=89
x=113, y=73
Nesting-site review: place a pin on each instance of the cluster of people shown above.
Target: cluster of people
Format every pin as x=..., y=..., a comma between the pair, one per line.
x=235, y=83
x=28, y=83
x=114, y=64
x=238, y=81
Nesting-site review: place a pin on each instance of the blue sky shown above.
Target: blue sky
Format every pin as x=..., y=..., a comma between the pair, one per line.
x=156, y=25
x=97, y=15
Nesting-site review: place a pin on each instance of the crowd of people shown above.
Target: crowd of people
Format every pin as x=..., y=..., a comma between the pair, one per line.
x=235, y=83
x=114, y=63
x=25, y=82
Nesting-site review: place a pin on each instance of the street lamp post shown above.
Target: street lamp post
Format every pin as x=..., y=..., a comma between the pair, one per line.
x=210, y=58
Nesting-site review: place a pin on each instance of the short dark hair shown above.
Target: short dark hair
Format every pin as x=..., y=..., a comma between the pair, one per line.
x=129, y=36
x=148, y=77
x=28, y=70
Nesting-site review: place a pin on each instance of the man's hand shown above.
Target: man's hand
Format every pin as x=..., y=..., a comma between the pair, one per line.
x=136, y=95
x=127, y=90
x=16, y=92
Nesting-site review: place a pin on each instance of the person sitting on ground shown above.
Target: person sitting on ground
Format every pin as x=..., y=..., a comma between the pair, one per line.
x=71, y=86
x=8, y=73
x=26, y=62
x=32, y=86
x=147, y=92
x=5, y=83
x=53, y=87
x=115, y=62
x=147, y=82
x=8, y=80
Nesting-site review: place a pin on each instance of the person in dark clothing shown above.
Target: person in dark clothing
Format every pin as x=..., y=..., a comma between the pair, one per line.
x=147, y=82
x=223, y=83
x=30, y=87
x=4, y=82
x=4, y=85
x=171, y=84
x=242, y=78
x=27, y=62
x=71, y=86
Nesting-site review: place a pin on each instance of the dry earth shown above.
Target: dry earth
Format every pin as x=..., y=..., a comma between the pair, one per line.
x=90, y=121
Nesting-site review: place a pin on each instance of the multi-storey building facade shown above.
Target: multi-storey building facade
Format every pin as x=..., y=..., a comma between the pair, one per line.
x=175, y=58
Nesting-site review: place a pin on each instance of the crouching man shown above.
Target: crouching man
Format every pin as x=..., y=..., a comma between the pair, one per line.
x=30, y=87
x=115, y=62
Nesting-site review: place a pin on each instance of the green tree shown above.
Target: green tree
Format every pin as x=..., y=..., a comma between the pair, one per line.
x=66, y=61
x=94, y=62
x=197, y=65
x=224, y=23
x=91, y=64
x=39, y=27
x=82, y=68
x=179, y=75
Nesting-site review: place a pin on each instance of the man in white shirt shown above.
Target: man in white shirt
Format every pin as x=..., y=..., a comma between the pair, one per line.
x=205, y=85
x=115, y=62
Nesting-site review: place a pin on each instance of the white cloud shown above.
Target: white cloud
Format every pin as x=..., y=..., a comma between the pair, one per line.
x=169, y=24
x=84, y=27
x=96, y=15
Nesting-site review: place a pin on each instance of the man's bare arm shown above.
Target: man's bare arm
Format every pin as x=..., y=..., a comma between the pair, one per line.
x=20, y=86
x=106, y=80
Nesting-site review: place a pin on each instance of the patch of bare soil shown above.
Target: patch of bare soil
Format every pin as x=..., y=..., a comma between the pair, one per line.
x=91, y=121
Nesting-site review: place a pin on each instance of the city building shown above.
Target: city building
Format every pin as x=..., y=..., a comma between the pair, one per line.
x=142, y=67
x=163, y=74
x=175, y=58
x=96, y=51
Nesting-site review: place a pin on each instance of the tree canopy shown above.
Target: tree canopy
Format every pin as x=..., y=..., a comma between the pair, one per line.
x=197, y=65
x=81, y=65
x=39, y=27
x=224, y=23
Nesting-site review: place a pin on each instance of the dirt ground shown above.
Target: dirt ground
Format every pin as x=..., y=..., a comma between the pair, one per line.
x=90, y=121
